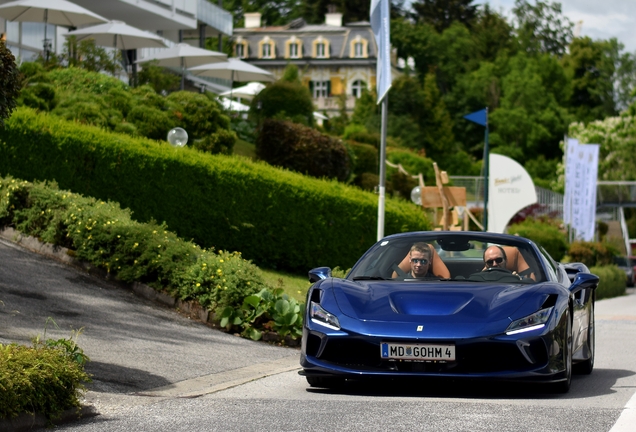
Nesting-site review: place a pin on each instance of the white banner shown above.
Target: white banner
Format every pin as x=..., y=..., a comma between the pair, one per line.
x=381, y=26
x=583, y=163
x=570, y=150
x=510, y=189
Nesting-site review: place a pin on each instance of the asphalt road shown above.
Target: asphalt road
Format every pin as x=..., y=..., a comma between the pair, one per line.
x=155, y=370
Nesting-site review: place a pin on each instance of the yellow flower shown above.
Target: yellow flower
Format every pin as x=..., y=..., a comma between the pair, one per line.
x=198, y=284
x=135, y=245
x=220, y=260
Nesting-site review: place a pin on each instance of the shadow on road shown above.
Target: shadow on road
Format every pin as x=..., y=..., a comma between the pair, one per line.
x=111, y=378
x=599, y=383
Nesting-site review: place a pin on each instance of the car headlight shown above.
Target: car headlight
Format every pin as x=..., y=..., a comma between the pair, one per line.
x=322, y=317
x=532, y=322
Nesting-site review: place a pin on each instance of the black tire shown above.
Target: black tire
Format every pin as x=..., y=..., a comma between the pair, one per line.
x=325, y=382
x=586, y=367
x=564, y=386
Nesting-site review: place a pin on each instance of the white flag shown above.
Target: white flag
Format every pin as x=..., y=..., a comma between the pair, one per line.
x=381, y=26
x=571, y=149
x=589, y=203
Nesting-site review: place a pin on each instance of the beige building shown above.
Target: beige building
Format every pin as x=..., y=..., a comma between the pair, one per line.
x=334, y=59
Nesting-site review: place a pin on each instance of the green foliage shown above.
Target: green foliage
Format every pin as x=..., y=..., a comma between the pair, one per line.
x=221, y=142
x=87, y=55
x=39, y=95
x=278, y=218
x=285, y=101
x=159, y=78
x=542, y=27
x=46, y=378
x=358, y=133
x=266, y=310
x=592, y=254
x=442, y=13
x=302, y=149
x=553, y=240
x=366, y=158
x=11, y=82
x=104, y=235
x=612, y=281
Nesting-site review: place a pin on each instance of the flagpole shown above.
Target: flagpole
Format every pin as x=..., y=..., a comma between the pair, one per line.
x=382, y=188
x=486, y=173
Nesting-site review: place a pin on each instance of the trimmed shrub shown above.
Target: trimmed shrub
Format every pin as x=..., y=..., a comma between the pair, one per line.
x=198, y=115
x=284, y=100
x=611, y=283
x=553, y=240
x=592, y=253
x=278, y=218
x=221, y=142
x=413, y=163
x=359, y=133
x=366, y=158
x=302, y=149
x=40, y=96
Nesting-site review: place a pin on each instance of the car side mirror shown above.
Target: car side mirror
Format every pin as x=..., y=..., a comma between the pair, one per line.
x=584, y=281
x=319, y=273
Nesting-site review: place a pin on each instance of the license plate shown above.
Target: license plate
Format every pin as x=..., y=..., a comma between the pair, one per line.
x=417, y=352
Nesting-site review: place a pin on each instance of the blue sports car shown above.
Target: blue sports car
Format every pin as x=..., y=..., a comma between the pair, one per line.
x=451, y=304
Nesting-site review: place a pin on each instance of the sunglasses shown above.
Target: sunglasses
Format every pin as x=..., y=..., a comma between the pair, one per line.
x=422, y=261
x=491, y=262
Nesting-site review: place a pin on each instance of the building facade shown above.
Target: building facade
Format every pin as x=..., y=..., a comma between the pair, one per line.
x=336, y=61
x=191, y=21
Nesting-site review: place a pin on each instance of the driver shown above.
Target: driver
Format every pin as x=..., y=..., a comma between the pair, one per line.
x=420, y=258
x=495, y=257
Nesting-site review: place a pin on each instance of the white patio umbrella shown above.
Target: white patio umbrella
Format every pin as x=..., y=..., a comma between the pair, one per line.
x=57, y=12
x=119, y=35
x=231, y=105
x=248, y=91
x=233, y=70
x=185, y=56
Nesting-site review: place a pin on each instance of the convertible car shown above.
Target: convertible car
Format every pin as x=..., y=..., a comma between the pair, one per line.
x=526, y=319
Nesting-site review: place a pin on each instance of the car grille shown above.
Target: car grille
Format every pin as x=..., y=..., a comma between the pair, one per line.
x=472, y=358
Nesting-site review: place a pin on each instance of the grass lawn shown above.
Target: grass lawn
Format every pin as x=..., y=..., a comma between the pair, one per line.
x=295, y=286
x=244, y=148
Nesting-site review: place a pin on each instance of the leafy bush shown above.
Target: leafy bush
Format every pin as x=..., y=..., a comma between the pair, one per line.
x=46, y=378
x=39, y=95
x=302, y=149
x=553, y=240
x=612, y=281
x=160, y=79
x=11, y=82
x=277, y=218
x=358, y=133
x=285, y=101
x=197, y=114
x=592, y=253
x=221, y=142
x=413, y=163
x=366, y=158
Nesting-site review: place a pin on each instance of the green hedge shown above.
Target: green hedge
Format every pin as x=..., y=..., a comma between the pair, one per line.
x=549, y=236
x=104, y=235
x=275, y=217
x=612, y=281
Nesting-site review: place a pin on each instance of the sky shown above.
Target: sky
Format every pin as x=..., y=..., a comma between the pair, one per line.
x=601, y=19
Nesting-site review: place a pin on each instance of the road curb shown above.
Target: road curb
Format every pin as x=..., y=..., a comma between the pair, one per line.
x=27, y=422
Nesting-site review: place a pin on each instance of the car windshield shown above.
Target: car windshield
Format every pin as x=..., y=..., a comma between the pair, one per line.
x=472, y=257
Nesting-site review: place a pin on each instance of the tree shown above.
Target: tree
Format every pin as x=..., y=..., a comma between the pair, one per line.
x=492, y=35
x=274, y=12
x=441, y=14
x=542, y=28
x=11, y=83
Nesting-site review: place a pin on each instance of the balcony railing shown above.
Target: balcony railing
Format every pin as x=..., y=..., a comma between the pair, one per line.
x=333, y=103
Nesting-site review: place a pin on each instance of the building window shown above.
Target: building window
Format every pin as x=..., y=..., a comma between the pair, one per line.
x=358, y=49
x=240, y=50
x=293, y=50
x=320, y=88
x=357, y=87
x=266, y=48
x=320, y=50
x=267, y=51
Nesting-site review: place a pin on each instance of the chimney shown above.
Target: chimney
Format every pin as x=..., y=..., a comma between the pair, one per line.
x=252, y=20
x=333, y=19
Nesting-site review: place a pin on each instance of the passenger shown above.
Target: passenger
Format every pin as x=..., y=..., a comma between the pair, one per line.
x=420, y=259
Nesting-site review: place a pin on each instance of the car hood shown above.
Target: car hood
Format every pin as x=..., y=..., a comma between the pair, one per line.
x=442, y=301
